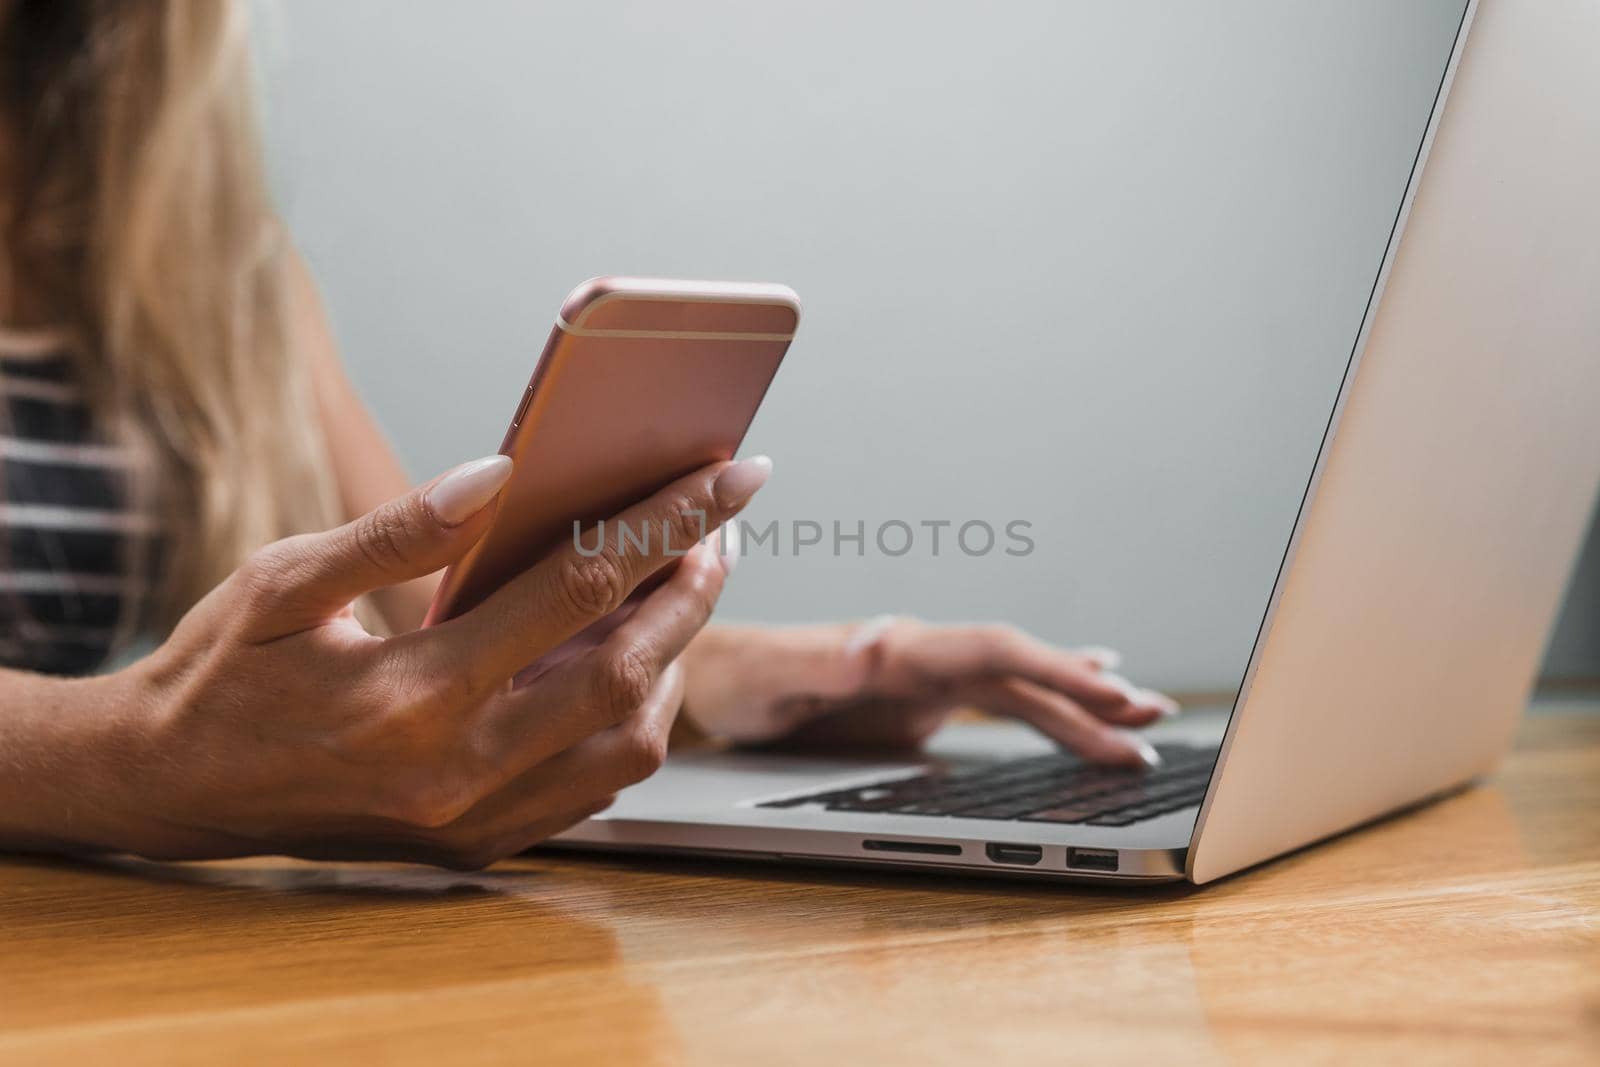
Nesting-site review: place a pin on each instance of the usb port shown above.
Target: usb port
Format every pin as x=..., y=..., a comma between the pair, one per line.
x=1092, y=859
x=1025, y=855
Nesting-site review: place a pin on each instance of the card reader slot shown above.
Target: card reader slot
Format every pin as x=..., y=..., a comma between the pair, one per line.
x=925, y=848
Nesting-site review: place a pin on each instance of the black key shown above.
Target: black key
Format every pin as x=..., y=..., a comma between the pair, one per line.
x=1142, y=812
x=812, y=798
x=1068, y=815
x=1009, y=810
x=1111, y=820
x=924, y=807
x=911, y=788
x=1199, y=776
x=878, y=804
x=972, y=800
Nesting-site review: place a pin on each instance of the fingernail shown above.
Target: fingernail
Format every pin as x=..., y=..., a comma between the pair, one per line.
x=1107, y=659
x=729, y=544
x=1146, y=751
x=739, y=481
x=1144, y=699
x=465, y=491
x=1159, y=703
x=867, y=633
x=1121, y=684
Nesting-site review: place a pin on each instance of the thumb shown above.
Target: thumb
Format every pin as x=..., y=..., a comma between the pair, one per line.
x=315, y=575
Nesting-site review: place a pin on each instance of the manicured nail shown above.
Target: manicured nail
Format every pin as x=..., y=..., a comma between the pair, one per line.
x=1144, y=699
x=739, y=481
x=867, y=633
x=1159, y=703
x=1146, y=751
x=465, y=491
x=1121, y=684
x=1107, y=659
x=729, y=544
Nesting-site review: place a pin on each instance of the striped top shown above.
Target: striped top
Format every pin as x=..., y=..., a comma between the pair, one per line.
x=70, y=593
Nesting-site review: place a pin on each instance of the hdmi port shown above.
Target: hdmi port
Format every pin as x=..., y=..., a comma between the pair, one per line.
x=1026, y=855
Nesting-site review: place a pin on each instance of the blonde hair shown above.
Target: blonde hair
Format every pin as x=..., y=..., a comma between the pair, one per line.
x=145, y=225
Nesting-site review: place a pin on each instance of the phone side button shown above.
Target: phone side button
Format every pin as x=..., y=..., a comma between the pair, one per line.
x=522, y=408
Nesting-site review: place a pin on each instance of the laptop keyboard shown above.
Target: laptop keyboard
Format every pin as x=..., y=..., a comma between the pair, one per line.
x=1054, y=788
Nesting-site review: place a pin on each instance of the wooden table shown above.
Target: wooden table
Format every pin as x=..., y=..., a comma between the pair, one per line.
x=1462, y=932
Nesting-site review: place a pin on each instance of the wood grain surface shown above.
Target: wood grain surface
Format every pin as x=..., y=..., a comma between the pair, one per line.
x=1461, y=932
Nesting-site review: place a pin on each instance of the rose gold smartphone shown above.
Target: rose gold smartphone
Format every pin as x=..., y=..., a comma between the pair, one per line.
x=642, y=381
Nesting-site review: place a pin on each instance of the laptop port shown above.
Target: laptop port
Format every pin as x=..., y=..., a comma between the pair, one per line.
x=1025, y=855
x=1092, y=859
x=926, y=848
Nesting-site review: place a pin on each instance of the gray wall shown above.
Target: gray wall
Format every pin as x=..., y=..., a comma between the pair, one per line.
x=1096, y=267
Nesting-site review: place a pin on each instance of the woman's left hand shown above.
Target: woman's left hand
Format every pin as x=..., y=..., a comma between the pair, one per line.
x=894, y=681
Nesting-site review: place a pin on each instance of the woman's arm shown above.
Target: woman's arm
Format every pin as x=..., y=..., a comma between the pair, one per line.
x=365, y=467
x=889, y=682
x=893, y=681
x=269, y=721
x=63, y=751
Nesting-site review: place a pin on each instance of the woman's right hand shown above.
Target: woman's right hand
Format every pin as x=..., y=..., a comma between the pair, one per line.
x=272, y=722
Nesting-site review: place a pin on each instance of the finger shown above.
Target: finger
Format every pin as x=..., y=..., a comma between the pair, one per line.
x=387, y=841
x=957, y=653
x=584, y=775
x=1142, y=706
x=580, y=583
x=1099, y=656
x=596, y=633
x=585, y=640
x=523, y=836
x=671, y=616
x=606, y=685
x=302, y=580
x=530, y=807
x=1064, y=721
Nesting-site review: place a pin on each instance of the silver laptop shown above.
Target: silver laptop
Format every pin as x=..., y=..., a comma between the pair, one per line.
x=1454, y=482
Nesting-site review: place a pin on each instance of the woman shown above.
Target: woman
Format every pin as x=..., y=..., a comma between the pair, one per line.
x=176, y=420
